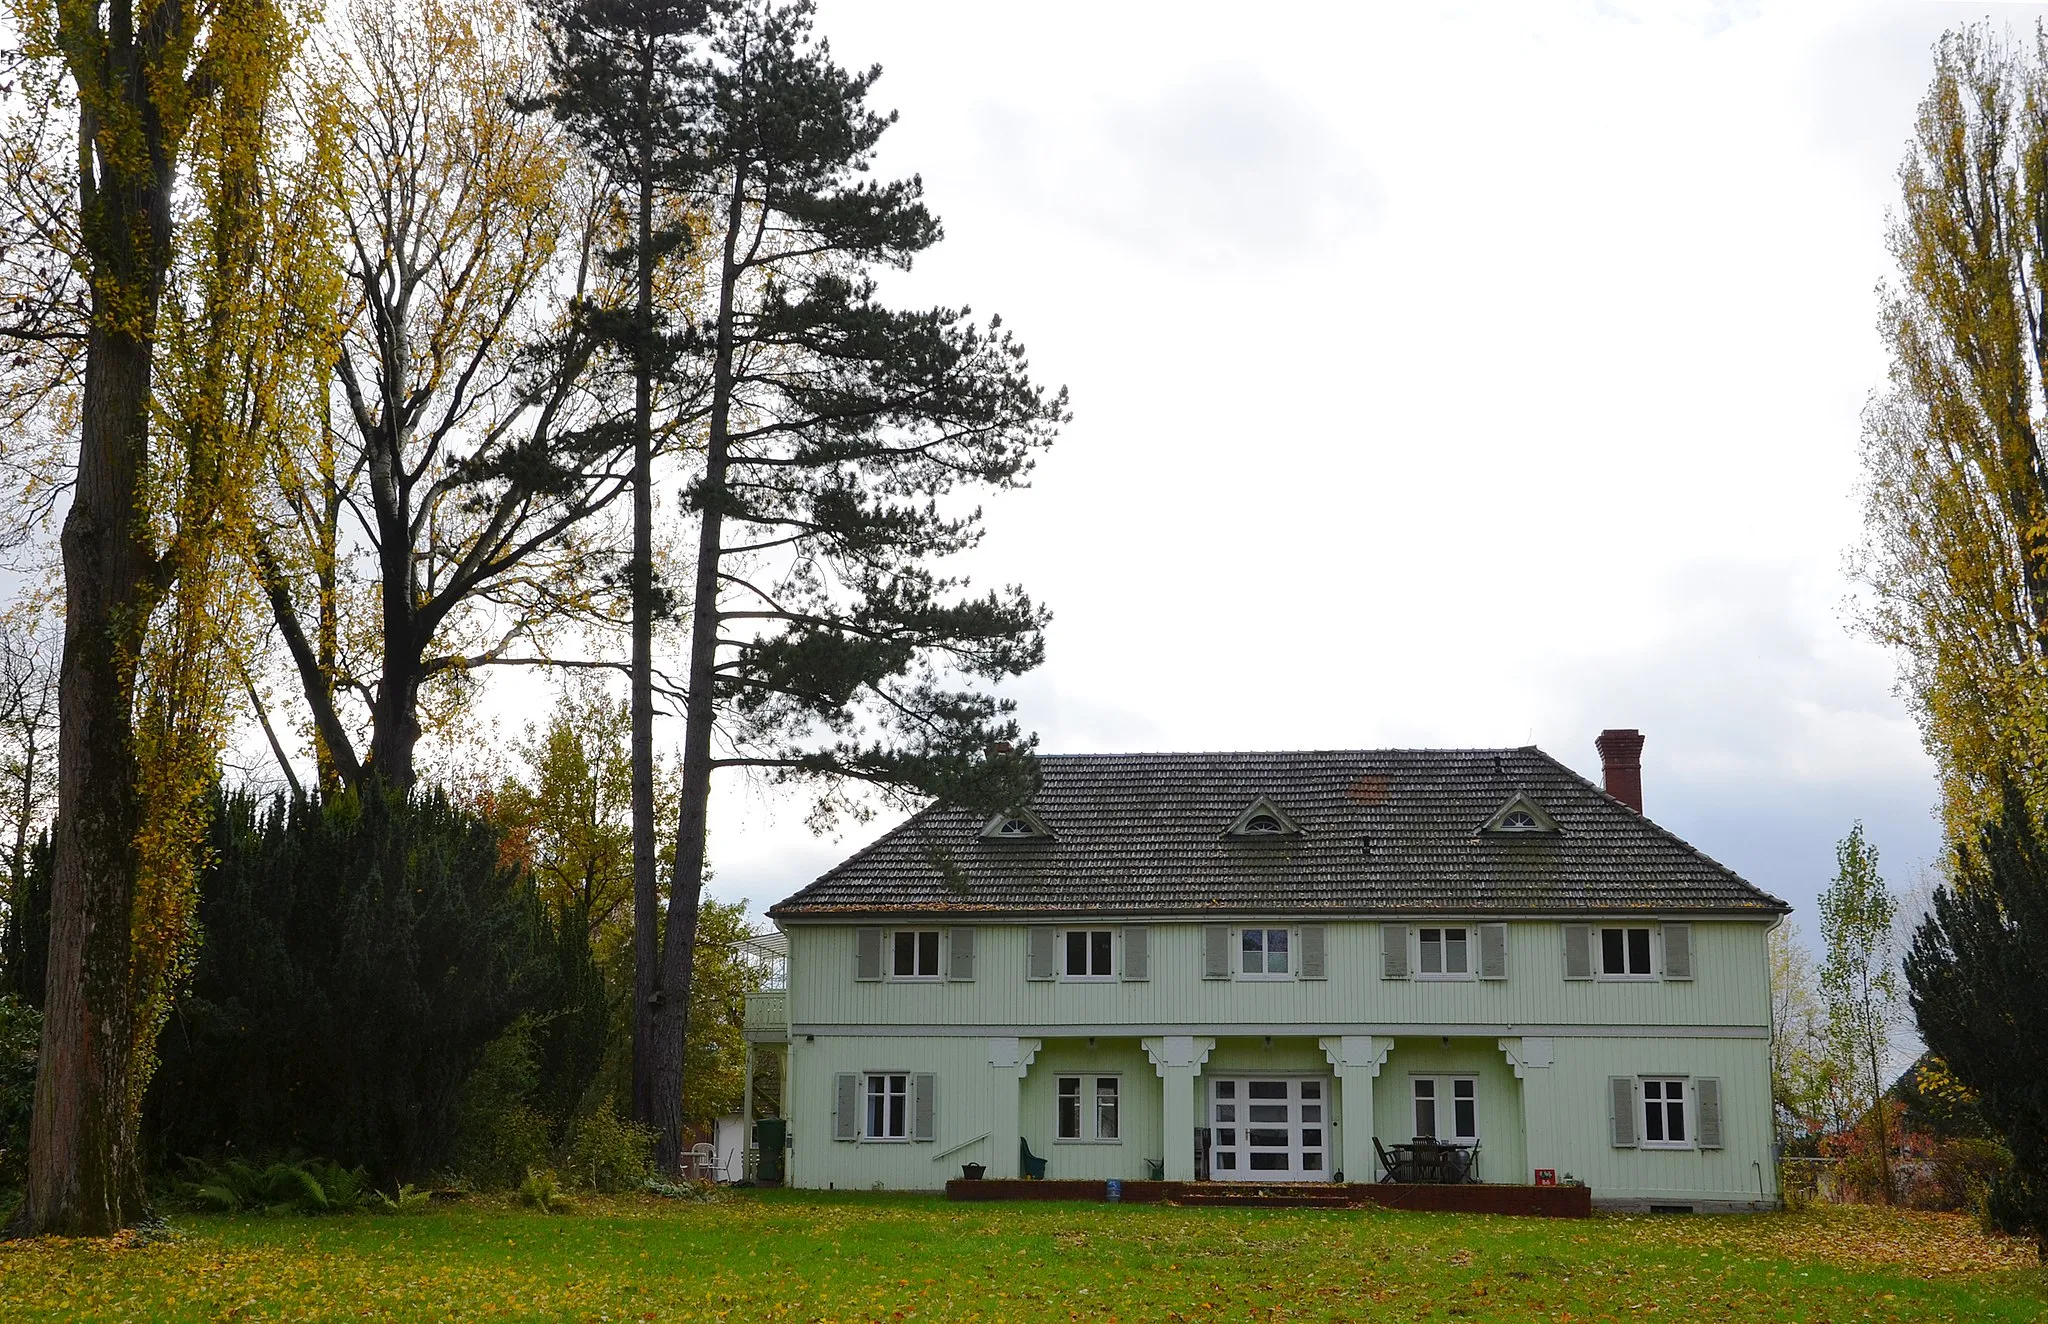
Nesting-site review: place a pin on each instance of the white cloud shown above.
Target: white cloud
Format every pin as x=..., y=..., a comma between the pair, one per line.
x=1443, y=375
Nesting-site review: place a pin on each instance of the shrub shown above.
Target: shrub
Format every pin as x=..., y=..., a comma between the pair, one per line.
x=611, y=1153
x=1967, y=1169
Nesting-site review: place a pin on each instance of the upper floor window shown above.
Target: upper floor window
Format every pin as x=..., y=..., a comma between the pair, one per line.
x=1664, y=1113
x=1444, y=952
x=1015, y=827
x=1090, y=954
x=888, y=1107
x=1264, y=953
x=1262, y=825
x=915, y=954
x=1518, y=820
x=1625, y=953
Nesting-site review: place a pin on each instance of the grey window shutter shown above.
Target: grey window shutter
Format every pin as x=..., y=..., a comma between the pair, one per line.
x=867, y=954
x=1215, y=951
x=846, y=1109
x=1678, y=951
x=1493, y=951
x=1137, y=952
x=1621, y=1093
x=1041, y=952
x=1578, y=951
x=1393, y=951
x=960, y=954
x=1707, y=1096
x=1312, y=958
x=924, y=1108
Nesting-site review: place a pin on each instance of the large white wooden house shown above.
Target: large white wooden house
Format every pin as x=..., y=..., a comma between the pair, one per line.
x=1253, y=966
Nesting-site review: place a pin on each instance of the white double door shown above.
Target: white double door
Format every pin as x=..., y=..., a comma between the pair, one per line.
x=1269, y=1128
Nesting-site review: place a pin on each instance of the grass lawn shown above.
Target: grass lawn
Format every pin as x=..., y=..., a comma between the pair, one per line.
x=783, y=1255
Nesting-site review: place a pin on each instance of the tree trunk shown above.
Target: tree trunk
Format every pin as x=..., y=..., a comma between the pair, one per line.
x=395, y=717
x=83, y=1178
x=646, y=888
x=686, y=886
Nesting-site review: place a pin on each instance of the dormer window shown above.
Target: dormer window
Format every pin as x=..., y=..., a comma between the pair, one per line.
x=1264, y=820
x=1520, y=816
x=1016, y=825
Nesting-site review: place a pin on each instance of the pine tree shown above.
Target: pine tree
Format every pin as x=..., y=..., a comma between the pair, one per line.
x=1977, y=974
x=825, y=647
x=623, y=72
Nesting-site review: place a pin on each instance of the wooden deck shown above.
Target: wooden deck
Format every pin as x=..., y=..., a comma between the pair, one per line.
x=1541, y=1201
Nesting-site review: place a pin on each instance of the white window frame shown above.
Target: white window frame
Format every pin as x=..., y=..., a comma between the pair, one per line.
x=1444, y=1101
x=1088, y=1103
x=1600, y=932
x=1471, y=944
x=1265, y=932
x=938, y=956
x=1088, y=977
x=868, y=1094
x=1686, y=1119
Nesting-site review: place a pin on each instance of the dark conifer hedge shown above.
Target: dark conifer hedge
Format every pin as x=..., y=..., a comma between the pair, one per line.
x=1978, y=975
x=358, y=956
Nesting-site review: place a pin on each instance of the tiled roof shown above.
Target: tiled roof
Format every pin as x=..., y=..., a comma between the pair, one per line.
x=1387, y=831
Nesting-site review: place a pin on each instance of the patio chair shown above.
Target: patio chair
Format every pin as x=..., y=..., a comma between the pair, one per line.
x=1029, y=1163
x=1467, y=1160
x=1392, y=1170
x=701, y=1161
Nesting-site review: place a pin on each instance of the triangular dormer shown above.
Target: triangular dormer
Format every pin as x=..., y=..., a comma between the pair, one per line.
x=1263, y=821
x=1016, y=825
x=1520, y=816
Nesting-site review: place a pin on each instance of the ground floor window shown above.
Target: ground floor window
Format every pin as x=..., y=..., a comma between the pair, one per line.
x=1664, y=1112
x=1447, y=1108
x=1088, y=1107
x=888, y=1110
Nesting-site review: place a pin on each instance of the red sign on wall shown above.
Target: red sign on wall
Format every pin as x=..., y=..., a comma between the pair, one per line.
x=1546, y=1176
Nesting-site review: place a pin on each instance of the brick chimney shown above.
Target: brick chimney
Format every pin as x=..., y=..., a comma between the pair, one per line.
x=1621, y=765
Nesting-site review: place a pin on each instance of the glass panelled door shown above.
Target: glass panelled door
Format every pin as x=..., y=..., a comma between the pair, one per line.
x=1269, y=1128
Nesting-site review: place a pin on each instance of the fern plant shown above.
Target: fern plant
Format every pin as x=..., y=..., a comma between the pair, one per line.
x=311, y=1186
x=543, y=1190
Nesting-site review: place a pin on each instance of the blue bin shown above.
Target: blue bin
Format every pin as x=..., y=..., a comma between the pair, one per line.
x=1116, y=1191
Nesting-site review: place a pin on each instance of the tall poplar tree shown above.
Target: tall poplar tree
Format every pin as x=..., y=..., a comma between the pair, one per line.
x=141, y=77
x=1955, y=553
x=826, y=647
x=627, y=82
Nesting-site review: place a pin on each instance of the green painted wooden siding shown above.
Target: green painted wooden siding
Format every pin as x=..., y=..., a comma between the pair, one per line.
x=1730, y=987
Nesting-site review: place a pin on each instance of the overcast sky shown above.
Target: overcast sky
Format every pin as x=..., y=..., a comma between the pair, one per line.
x=1443, y=376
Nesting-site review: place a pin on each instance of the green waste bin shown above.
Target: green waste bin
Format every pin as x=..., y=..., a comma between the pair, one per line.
x=768, y=1135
